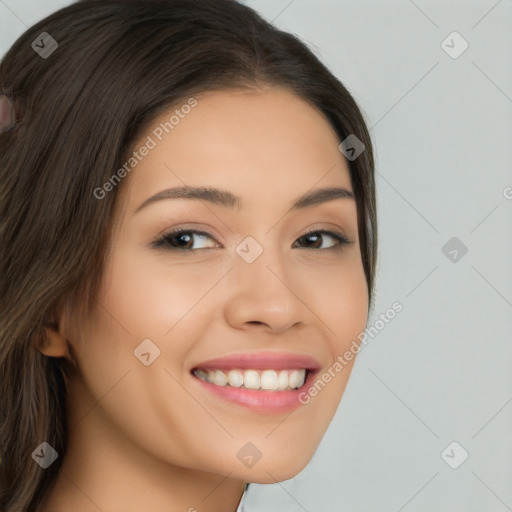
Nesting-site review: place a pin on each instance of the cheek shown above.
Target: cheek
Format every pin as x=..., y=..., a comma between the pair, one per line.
x=150, y=299
x=350, y=311
x=341, y=302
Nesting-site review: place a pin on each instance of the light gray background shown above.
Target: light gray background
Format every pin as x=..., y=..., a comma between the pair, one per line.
x=440, y=371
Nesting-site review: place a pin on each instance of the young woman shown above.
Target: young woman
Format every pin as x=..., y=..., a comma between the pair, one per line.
x=189, y=237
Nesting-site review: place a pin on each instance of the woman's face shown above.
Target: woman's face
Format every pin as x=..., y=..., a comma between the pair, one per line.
x=262, y=285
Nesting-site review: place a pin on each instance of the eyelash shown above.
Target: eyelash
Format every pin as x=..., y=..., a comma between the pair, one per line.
x=163, y=241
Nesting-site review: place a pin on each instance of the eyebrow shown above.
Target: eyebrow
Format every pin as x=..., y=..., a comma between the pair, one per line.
x=229, y=200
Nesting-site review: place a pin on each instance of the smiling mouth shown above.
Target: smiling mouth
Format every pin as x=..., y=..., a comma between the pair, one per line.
x=264, y=380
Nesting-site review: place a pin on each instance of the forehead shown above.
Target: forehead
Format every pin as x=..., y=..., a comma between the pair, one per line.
x=255, y=142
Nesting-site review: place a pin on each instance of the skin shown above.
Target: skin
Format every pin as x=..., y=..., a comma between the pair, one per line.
x=149, y=437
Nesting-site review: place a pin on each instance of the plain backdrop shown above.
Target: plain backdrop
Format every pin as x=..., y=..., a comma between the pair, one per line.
x=439, y=373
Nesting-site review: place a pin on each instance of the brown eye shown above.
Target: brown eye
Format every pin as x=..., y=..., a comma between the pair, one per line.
x=181, y=240
x=315, y=238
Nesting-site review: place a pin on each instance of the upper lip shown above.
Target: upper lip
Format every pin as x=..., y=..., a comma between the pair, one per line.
x=261, y=361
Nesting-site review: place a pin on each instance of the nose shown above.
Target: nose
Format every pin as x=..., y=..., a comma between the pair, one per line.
x=266, y=294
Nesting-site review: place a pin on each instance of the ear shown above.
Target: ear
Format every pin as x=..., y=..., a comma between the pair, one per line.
x=54, y=342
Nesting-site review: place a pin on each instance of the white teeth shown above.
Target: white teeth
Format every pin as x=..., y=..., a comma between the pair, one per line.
x=274, y=380
x=202, y=375
x=220, y=378
x=251, y=379
x=296, y=379
x=282, y=379
x=235, y=378
x=269, y=379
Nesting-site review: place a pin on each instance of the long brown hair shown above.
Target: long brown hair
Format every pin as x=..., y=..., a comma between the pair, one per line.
x=116, y=65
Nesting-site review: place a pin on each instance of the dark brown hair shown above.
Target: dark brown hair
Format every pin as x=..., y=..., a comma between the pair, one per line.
x=118, y=64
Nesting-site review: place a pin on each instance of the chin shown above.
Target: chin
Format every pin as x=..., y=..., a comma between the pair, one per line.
x=275, y=470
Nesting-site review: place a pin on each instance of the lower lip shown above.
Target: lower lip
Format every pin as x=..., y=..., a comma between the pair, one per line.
x=261, y=401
